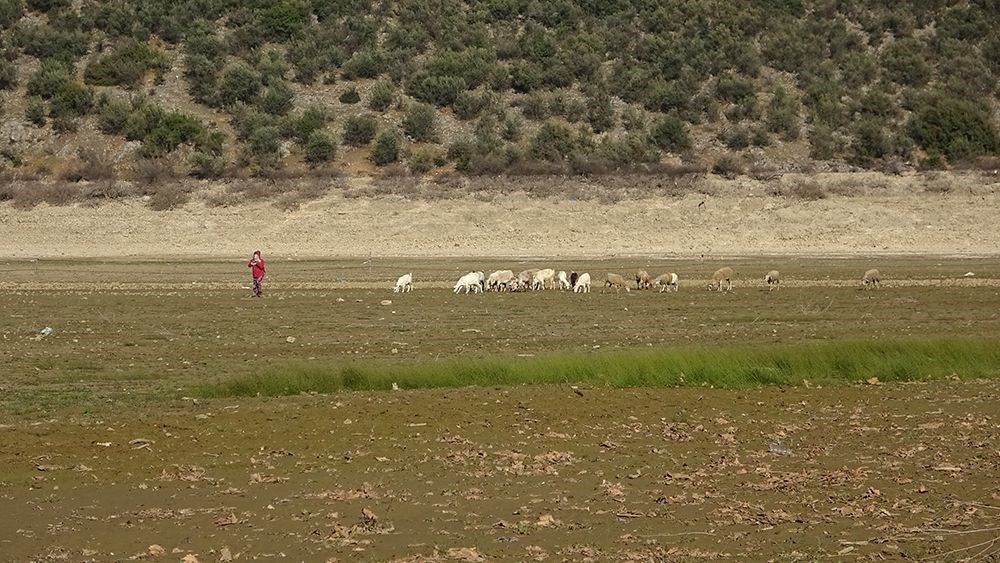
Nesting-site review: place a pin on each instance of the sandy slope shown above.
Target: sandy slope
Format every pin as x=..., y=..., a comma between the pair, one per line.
x=897, y=218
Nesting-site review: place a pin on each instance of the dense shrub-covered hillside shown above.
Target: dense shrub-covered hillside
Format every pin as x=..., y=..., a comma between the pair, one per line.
x=486, y=86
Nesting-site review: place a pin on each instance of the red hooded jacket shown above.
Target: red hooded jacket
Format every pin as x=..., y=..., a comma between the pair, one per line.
x=257, y=263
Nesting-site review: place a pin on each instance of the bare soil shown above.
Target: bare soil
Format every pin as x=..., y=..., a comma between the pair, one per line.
x=858, y=214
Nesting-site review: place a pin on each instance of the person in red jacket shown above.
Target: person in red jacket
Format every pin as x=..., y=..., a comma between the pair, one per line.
x=256, y=266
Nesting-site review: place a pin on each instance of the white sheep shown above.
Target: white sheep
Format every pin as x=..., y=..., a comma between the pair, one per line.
x=563, y=280
x=773, y=280
x=468, y=282
x=871, y=279
x=721, y=275
x=616, y=281
x=500, y=279
x=582, y=284
x=543, y=278
x=667, y=282
x=526, y=279
x=404, y=284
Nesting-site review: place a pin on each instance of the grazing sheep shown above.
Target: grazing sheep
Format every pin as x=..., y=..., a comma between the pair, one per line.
x=404, y=284
x=871, y=279
x=773, y=280
x=582, y=284
x=721, y=275
x=543, y=278
x=572, y=278
x=526, y=278
x=563, y=280
x=468, y=282
x=666, y=282
x=482, y=280
x=642, y=280
x=617, y=282
x=500, y=280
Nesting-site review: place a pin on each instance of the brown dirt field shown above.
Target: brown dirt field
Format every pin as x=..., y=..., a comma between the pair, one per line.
x=888, y=472
x=563, y=217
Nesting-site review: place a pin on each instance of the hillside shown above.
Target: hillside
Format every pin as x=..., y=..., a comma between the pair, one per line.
x=135, y=89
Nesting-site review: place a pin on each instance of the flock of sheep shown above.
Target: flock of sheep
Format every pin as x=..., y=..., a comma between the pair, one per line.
x=505, y=280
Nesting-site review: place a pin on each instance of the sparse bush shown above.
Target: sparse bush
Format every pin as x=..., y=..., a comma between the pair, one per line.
x=320, y=148
x=125, y=66
x=350, y=96
x=149, y=171
x=71, y=100
x=470, y=104
x=810, y=190
x=421, y=160
x=728, y=167
x=600, y=114
x=112, y=115
x=264, y=146
x=283, y=19
x=437, y=90
x=48, y=5
x=8, y=75
x=420, y=122
x=276, y=99
x=35, y=112
x=312, y=119
x=206, y=166
x=364, y=64
x=736, y=138
x=386, y=148
x=168, y=196
x=870, y=143
x=10, y=12
x=381, y=96
x=359, y=130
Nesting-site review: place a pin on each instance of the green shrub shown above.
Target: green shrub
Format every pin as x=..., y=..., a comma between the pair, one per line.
x=553, y=142
x=51, y=75
x=823, y=144
x=511, y=128
x=238, y=83
x=283, y=19
x=171, y=130
x=10, y=12
x=276, y=99
x=48, y=5
x=319, y=148
x=381, y=96
x=600, y=113
x=126, y=66
x=71, y=100
x=8, y=75
x=736, y=138
x=264, y=146
x=671, y=134
x=727, y=166
x=905, y=62
x=386, y=148
x=364, y=64
x=46, y=42
x=437, y=90
x=420, y=122
x=733, y=88
x=202, y=77
x=470, y=104
x=536, y=105
x=782, y=114
x=312, y=119
x=955, y=128
x=870, y=143
x=359, y=130
x=350, y=96
x=35, y=112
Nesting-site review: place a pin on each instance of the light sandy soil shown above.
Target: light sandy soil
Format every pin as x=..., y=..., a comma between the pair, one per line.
x=884, y=215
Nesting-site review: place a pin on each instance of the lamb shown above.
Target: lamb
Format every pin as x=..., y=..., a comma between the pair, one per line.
x=543, y=277
x=616, y=281
x=563, y=280
x=666, y=282
x=404, y=284
x=468, y=282
x=721, y=275
x=582, y=284
x=773, y=280
x=871, y=279
x=642, y=280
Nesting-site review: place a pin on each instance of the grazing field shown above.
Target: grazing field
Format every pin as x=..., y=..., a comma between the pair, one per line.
x=664, y=426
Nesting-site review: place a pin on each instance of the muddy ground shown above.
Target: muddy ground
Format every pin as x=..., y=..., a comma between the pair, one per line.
x=104, y=456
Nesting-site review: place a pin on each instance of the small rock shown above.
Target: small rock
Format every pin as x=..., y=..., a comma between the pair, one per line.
x=386, y=302
x=969, y=274
x=290, y=340
x=156, y=550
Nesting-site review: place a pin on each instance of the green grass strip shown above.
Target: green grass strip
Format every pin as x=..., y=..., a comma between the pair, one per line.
x=716, y=366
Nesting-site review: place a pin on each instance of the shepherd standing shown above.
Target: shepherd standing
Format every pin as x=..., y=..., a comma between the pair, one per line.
x=256, y=266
